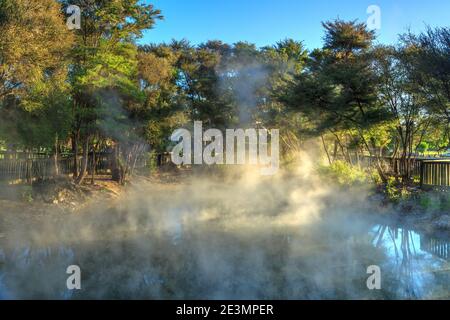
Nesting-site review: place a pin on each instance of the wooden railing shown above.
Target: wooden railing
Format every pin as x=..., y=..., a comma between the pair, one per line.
x=435, y=173
x=393, y=166
x=14, y=167
x=29, y=169
x=432, y=172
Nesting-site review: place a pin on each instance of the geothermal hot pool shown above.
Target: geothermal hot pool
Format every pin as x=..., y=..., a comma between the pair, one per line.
x=203, y=248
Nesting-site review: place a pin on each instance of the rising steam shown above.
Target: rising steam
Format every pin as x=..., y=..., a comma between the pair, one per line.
x=224, y=237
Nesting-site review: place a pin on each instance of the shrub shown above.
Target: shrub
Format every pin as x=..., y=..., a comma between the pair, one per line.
x=395, y=191
x=27, y=194
x=344, y=174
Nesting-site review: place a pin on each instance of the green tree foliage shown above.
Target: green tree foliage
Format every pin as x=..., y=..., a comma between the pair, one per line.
x=34, y=107
x=386, y=100
x=400, y=96
x=164, y=108
x=429, y=68
x=284, y=61
x=95, y=89
x=338, y=89
x=33, y=44
x=104, y=77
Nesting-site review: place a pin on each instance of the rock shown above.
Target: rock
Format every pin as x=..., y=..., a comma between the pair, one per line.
x=442, y=222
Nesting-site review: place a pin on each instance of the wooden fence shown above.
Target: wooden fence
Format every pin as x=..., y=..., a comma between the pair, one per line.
x=14, y=155
x=435, y=173
x=19, y=166
x=432, y=172
x=14, y=166
x=393, y=166
x=31, y=169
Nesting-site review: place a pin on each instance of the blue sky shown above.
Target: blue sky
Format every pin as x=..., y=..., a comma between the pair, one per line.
x=265, y=22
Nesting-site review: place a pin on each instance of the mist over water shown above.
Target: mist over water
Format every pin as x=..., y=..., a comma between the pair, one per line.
x=284, y=237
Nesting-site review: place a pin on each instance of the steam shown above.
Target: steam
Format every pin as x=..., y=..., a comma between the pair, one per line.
x=236, y=235
x=244, y=78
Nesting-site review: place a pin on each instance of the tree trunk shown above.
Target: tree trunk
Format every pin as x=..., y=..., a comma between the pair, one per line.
x=116, y=170
x=56, y=156
x=84, y=164
x=378, y=164
x=75, y=137
x=94, y=163
x=358, y=160
x=335, y=150
x=326, y=150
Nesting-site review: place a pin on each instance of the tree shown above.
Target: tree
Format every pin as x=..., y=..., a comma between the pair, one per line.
x=33, y=44
x=201, y=75
x=338, y=90
x=429, y=67
x=398, y=93
x=33, y=72
x=104, y=77
x=164, y=109
x=284, y=61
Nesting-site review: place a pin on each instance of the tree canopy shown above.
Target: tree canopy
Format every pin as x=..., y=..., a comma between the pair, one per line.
x=95, y=89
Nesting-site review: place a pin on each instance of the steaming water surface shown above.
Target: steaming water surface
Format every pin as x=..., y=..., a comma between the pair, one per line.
x=159, y=245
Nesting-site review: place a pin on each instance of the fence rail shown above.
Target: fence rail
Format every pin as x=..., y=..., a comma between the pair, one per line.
x=393, y=166
x=29, y=169
x=15, y=167
x=432, y=172
x=435, y=173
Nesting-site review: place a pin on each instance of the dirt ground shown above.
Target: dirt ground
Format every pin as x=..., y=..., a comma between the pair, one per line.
x=28, y=205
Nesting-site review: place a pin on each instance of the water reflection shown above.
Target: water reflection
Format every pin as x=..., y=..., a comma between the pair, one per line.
x=437, y=247
x=420, y=261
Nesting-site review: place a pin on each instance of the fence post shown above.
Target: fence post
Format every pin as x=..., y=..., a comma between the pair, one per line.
x=422, y=170
x=29, y=171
